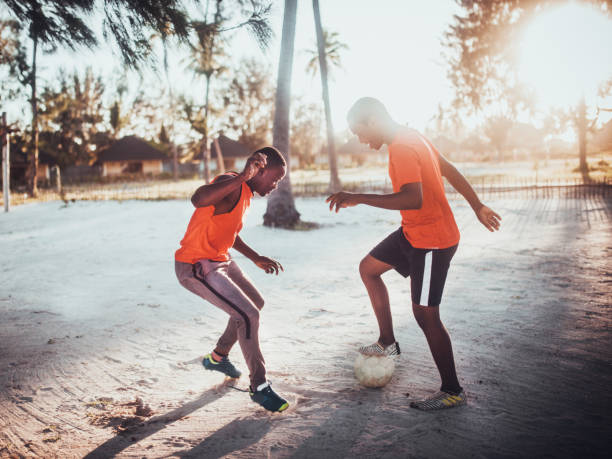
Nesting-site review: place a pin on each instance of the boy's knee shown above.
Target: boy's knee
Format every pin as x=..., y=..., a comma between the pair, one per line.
x=425, y=317
x=365, y=269
x=251, y=318
x=253, y=315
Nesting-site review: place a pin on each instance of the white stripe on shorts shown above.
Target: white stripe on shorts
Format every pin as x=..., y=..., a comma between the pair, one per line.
x=426, y=279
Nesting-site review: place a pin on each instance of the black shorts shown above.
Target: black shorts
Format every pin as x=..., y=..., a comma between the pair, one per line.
x=427, y=268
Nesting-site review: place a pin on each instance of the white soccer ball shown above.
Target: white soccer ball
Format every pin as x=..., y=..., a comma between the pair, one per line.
x=374, y=370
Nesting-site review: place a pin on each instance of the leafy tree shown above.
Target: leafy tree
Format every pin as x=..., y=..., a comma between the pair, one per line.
x=61, y=23
x=328, y=51
x=72, y=113
x=281, y=211
x=46, y=29
x=209, y=43
x=10, y=46
x=165, y=34
x=496, y=129
x=482, y=63
x=248, y=105
x=305, y=136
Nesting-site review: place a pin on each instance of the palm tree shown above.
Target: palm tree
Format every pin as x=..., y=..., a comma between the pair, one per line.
x=164, y=34
x=332, y=47
x=47, y=31
x=209, y=46
x=204, y=55
x=53, y=23
x=281, y=211
x=328, y=50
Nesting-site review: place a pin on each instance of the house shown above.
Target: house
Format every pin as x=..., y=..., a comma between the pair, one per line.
x=131, y=155
x=231, y=151
x=20, y=164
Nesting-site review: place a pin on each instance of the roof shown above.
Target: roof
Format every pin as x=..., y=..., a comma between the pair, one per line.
x=130, y=148
x=230, y=148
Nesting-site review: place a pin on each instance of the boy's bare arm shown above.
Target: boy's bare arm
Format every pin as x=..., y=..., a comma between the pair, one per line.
x=409, y=197
x=213, y=193
x=267, y=264
x=459, y=183
x=489, y=218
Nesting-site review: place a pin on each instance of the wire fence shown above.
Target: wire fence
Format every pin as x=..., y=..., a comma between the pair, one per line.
x=487, y=188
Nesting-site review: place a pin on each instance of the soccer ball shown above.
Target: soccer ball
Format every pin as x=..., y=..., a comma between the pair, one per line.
x=374, y=370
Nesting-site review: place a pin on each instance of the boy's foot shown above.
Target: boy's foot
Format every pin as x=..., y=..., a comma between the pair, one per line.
x=224, y=366
x=379, y=349
x=266, y=397
x=439, y=401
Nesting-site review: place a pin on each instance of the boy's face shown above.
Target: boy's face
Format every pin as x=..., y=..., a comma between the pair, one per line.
x=368, y=133
x=267, y=179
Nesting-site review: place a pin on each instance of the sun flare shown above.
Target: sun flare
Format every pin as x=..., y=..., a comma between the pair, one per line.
x=565, y=53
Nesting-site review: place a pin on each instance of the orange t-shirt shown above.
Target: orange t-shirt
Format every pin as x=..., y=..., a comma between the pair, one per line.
x=211, y=236
x=412, y=158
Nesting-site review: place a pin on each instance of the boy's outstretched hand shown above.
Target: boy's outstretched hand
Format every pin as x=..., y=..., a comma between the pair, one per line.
x=490, y=219
x=341, y=200
x=268, y=265
x=254, y=163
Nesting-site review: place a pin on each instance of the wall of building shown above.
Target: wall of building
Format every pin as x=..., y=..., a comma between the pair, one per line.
x=117, y=167
x=43, y=172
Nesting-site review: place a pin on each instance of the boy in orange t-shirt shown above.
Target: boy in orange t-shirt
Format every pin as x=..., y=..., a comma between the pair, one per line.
x=422, y=247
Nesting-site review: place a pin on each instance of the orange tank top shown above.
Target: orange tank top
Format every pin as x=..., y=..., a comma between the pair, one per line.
x=211, y=236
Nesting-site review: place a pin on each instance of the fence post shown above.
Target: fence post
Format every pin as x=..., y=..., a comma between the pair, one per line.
x=6, y=163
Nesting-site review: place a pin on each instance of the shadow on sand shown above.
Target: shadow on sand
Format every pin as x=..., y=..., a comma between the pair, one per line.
x=235, y=436
x=115, y=445
x=337, y=434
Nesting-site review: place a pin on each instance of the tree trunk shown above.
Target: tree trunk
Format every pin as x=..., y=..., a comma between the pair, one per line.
x=281, y=211
x=171, y=96
x=204, y=147
x=220, y=162
x=334, y=180
x=5, y=146
x=581, y=125
x=174, y=162
x=33, y=172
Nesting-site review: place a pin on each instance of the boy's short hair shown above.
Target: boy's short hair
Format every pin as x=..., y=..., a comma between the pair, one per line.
x=273, y=157
x=365, y=109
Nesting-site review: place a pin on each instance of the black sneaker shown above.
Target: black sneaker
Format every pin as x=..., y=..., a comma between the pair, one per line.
x=224, y=366
x=266, y=397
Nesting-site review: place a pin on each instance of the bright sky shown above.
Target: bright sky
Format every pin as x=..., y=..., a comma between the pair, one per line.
x=565, y=53
x=395, y=55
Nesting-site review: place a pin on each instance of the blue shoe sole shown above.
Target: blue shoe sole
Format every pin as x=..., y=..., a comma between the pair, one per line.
x=209, y=365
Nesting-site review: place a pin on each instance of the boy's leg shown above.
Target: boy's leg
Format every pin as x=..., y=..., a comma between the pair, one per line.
x=370, y=270
x=438, y=339
x=427, y=285
x=210, y=280
x=230, y=335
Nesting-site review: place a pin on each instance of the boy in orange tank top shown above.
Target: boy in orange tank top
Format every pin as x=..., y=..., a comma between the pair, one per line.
x=422, y=247
x=204, y=266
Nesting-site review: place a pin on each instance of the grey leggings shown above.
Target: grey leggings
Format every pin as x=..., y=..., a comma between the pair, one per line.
x=223, y=284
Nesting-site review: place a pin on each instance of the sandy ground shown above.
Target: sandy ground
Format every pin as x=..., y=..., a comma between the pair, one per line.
x=100, y=346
